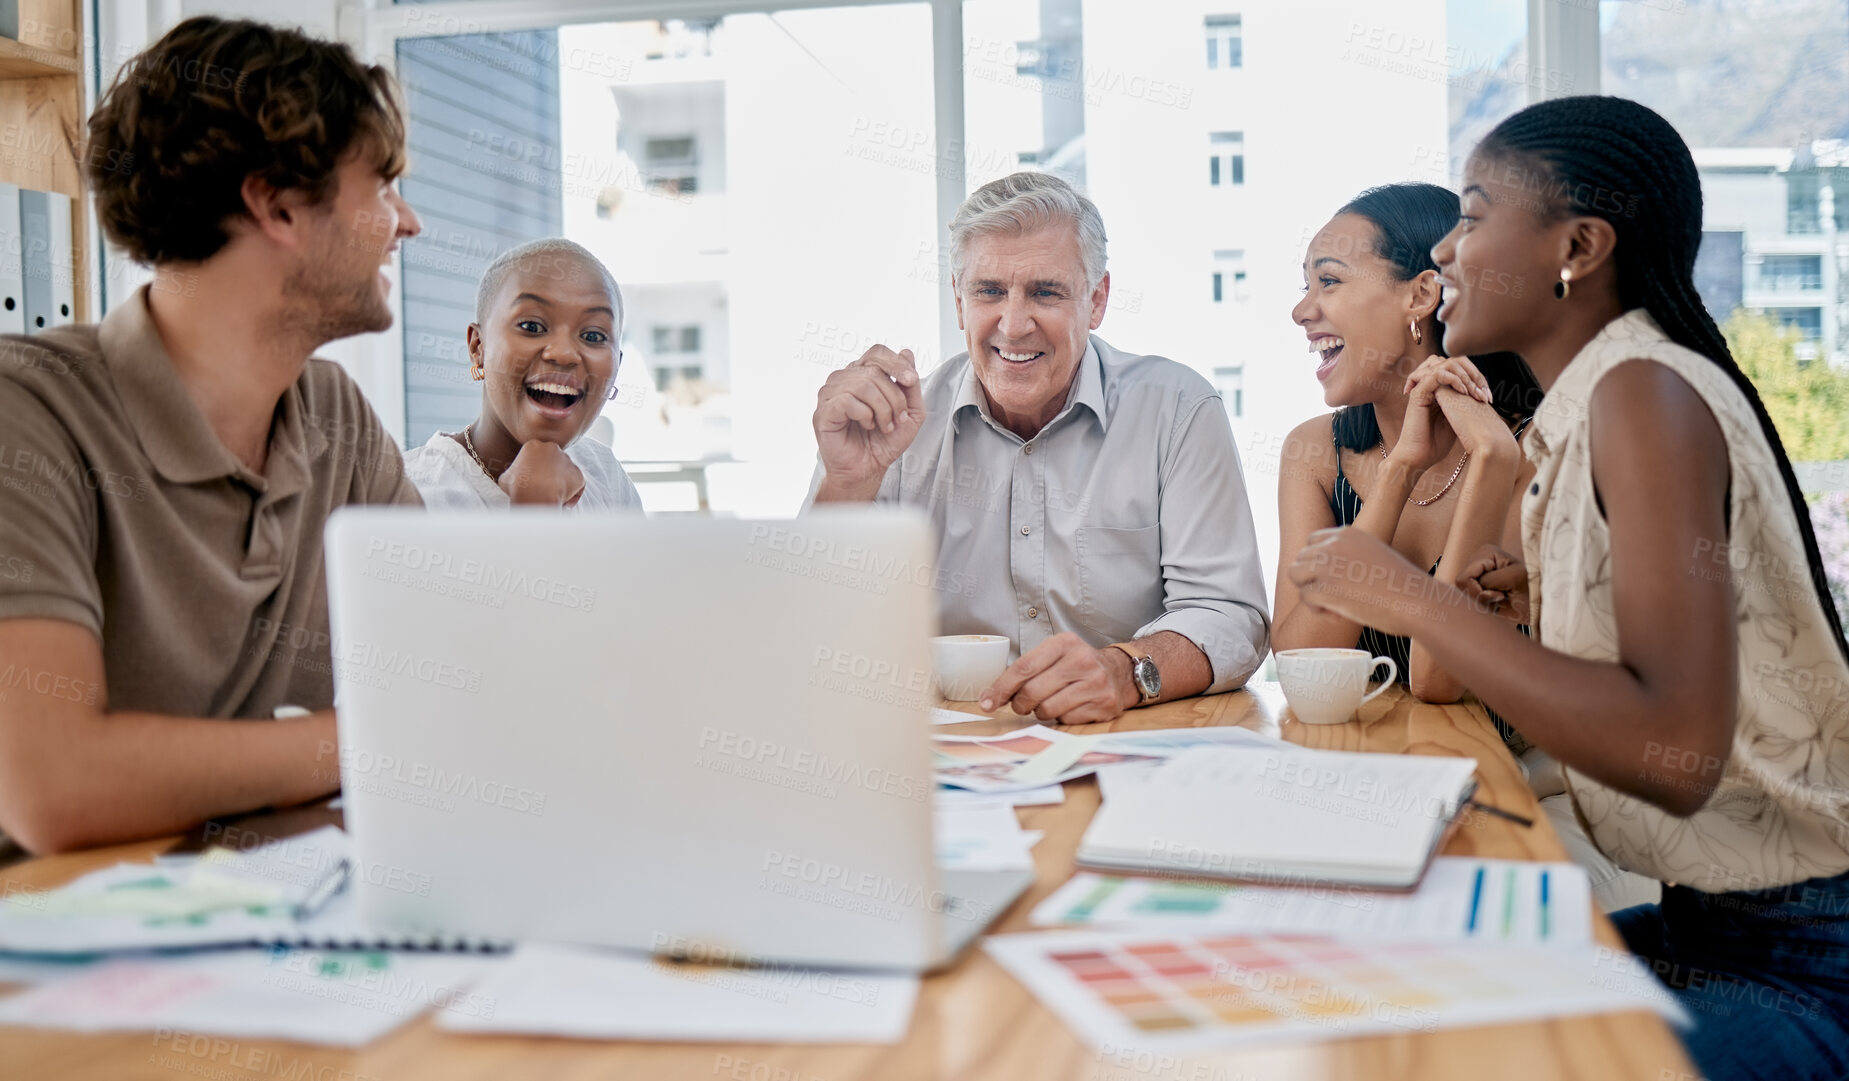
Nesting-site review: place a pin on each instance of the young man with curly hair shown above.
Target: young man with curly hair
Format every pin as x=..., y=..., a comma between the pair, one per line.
x=165, y=475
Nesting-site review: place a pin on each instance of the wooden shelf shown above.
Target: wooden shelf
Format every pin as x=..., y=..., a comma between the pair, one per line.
x=19, y=61
x=42, y=108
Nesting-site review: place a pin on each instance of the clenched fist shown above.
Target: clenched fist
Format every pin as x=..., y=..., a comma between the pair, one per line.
x=866, y=414
x=543, y=474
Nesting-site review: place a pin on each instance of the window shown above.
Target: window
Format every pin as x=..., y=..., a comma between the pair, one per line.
x=1791, y=273
x=1808, y=322
x=1227, y=147
x=1769, y=171
x=685, y=339
x=720, y=166
x=1231, y=383
x=1229, y=276
x=672, y=165
x=1225, y=47
x=667, y=375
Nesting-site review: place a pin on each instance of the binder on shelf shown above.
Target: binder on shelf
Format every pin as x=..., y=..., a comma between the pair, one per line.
x=12, y=267
x=50, y=285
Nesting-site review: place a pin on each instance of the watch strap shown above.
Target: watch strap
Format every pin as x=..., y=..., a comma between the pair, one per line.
x=1129, y=651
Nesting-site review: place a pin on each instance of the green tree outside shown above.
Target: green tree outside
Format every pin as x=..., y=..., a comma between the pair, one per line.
x=1808, y=402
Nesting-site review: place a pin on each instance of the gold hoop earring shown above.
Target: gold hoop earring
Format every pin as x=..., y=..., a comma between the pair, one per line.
x=1418, y=336
x=1564, y=287
x=476, y=373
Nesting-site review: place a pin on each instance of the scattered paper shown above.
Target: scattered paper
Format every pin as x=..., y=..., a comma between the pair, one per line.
x=1033, y=757
x=343, y=998
x=34, y=970
x=983, y=837
x=1180, y=994
x=552, y=990
x=220, y=898
x=940, y=715
x=1114, y=781
x=1044, y=796
x=1500, y=901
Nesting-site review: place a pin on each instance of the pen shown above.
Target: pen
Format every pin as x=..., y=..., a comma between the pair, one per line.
x=1500, y=813
x=324, y=891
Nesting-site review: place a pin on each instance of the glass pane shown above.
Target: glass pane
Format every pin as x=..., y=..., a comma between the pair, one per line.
x=484, y=150
x=1755, y=92
x=726, y=170
x=1485, y=66
x=1326, y=107
x=1752, y=95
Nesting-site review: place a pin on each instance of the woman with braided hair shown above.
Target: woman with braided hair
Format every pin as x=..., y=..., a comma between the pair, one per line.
x=1690, y=671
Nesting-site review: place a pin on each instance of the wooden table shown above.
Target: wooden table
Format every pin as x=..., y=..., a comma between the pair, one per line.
x=974, y=1021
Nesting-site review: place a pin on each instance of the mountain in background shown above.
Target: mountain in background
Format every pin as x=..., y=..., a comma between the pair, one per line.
x=1724, y=72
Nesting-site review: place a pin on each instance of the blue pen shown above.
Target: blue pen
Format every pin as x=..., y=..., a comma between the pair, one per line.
x=1544, y=912
x=1476, y=902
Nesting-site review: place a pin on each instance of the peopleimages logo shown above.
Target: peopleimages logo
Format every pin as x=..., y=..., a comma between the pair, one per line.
x=358, y=768
x=769, y=754
x=394, y=662
x=416, y=559
x=851, y=558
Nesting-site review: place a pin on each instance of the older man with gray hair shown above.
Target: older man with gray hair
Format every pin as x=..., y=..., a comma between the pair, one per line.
x=1088, y=502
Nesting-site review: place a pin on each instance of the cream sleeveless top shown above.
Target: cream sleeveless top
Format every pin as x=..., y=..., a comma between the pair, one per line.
x=1781, y=811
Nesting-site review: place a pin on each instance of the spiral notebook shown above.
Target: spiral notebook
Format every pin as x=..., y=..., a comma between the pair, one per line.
x=281, y=893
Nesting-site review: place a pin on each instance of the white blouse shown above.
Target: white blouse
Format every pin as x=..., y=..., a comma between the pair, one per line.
x=1780, y=813
x=449, y=479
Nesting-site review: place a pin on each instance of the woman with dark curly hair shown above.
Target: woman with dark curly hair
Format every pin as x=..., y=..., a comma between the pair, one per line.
x=179, y=460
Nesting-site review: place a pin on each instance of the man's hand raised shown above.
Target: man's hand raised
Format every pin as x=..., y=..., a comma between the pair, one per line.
x=865, y=416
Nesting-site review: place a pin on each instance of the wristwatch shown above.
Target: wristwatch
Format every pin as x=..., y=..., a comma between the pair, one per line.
x=1143, y=673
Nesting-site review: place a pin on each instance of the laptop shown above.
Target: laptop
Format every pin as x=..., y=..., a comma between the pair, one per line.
x=699, y=737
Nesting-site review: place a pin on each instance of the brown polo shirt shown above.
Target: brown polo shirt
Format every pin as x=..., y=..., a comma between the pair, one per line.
x=120, y=510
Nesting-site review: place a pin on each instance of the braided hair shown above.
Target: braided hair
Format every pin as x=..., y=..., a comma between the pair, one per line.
x=1614, y=159
x=1410, y=220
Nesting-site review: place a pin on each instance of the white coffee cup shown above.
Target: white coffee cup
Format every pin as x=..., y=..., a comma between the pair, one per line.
x=967, y=663
x=1327, y=686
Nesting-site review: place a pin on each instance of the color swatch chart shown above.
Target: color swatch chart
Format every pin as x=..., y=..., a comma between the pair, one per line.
x=1182, y=993
x=1501, y=901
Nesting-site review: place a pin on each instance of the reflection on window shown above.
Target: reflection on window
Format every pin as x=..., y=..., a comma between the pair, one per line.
x=1225, y=48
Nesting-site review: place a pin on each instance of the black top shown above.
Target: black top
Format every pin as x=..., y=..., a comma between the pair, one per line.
x=1346, y=503
x=1354, y=431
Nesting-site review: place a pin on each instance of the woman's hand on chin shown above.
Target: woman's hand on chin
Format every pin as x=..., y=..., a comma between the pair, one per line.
x=542, y=474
